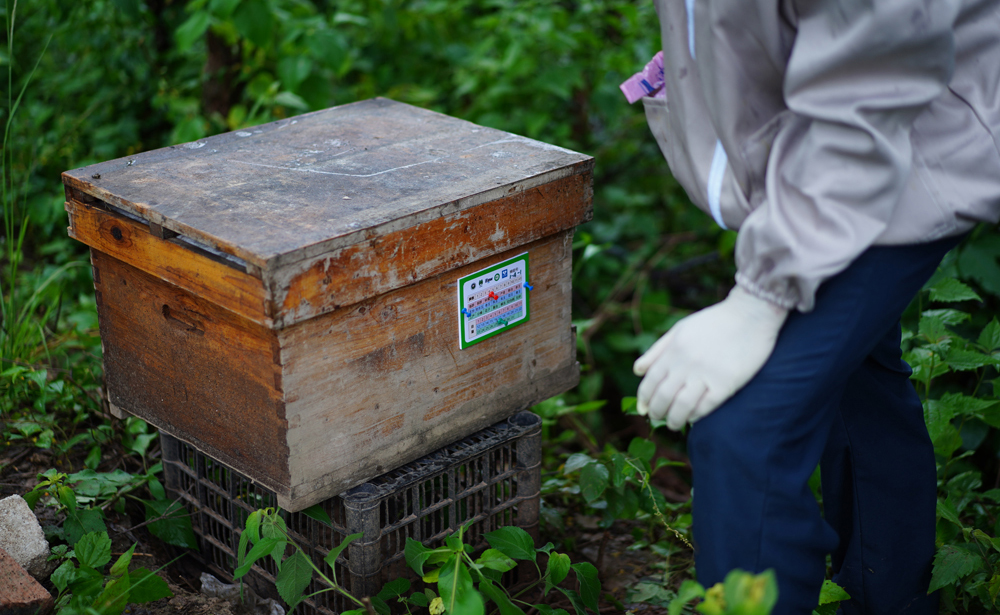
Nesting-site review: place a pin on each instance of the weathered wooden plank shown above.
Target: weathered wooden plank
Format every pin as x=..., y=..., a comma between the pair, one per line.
x=131, y=242
x=193, y=369
x=390, y=260
x=377, y=384
x=290, y=190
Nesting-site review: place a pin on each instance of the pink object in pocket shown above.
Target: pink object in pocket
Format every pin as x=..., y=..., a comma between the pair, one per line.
x=647, y=82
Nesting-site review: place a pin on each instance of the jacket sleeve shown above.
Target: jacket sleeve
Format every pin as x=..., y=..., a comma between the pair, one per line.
x=858, y=74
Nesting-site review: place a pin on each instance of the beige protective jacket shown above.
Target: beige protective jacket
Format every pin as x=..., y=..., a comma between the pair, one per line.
x=820, y=128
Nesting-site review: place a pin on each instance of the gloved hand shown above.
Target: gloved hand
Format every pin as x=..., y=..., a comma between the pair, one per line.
x=707, y=357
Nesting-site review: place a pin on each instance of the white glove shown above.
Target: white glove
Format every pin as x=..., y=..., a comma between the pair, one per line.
x=706, y=358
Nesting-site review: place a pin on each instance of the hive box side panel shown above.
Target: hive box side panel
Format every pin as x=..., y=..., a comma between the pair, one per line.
x=192, y=369
x=129, y=241
x=383, y=382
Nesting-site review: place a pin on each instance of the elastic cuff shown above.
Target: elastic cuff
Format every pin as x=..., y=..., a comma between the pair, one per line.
x=754, y=289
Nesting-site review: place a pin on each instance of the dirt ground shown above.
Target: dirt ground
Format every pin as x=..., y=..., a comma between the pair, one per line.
x=621, y=568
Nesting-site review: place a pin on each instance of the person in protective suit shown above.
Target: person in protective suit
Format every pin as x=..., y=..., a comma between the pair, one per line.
x=852, y=144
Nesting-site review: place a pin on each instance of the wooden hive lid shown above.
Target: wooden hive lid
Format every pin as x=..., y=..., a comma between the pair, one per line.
x=279, y=195
x=288, y=190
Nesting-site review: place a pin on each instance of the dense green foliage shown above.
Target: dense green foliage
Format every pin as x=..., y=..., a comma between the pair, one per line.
x=109, y=78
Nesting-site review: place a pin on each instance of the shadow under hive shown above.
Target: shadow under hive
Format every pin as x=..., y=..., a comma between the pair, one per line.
x=492, y=478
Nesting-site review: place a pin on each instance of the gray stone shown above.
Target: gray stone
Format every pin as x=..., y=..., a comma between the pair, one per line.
x=22, y=538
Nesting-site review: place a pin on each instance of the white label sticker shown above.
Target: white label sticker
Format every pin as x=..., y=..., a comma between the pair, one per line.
x=493, y=300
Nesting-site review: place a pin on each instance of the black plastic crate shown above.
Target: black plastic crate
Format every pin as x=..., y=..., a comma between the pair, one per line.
x=492, y=477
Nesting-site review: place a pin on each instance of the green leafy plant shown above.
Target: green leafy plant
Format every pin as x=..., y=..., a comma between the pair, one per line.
x=953, y=359
x=84, y=587
x=741, y=593
x=266, y=535
x=465, y=585
x=84, y=497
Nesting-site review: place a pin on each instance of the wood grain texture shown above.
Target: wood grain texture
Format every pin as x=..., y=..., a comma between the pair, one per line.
x=294, y=189
x=132, y=243
x=377, y=384
x=399, y=258
x=193, y=369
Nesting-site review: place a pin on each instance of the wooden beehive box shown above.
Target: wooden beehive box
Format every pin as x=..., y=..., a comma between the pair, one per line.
x=286, y=298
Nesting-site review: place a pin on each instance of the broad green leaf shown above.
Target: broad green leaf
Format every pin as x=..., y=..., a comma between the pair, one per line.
x=291, y=100
x=556, y=570
x=66, y=497
x=623, y=505
x=81, y=522
x=957, y=404
x=590, y=584
x=989, y=338
x=223, y=8
x=331, y=557
x=574, y=598
x=946, y=510
x=951, y=564
x=255, y=21
x=589, y=406
x=317, y=512
x=417, y=555
x=650, y=593
x=575, y=462
x=992, y=494
x=642, y=448
x=984, y=539
x=175, y=526
x=947, y=316
x=494, y=559
x=932, y=328
x=87, y=582
x=432, y=576
x=457, y=591
x=293, y=577
x=994, y=588
x=499, y=597
x=619, y=466
x=263, y=548
x=962, y=360
x=253, y=526
x=831, y=592
x=192, y=30
x=756, y=593
x=688, y=591
x=394, y=588
x=513, y=542
x=381, y=606
x=593, y=481
x=943, y=434
x=950, y=290
x=120, y=567
x=545, y=609
x=63, y=575
x=978, y=260
x=147, y=587
x=114, y=598
x=94, y=550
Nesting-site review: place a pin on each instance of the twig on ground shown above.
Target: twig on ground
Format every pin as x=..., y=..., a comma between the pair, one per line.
x=600, y=552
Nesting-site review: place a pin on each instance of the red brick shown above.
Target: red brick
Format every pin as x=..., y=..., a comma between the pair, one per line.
x=20, y=593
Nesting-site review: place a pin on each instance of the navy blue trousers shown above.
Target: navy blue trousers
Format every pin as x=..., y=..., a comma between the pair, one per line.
x=834, y=390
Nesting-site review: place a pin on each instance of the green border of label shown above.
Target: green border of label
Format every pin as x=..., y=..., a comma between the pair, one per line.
x=462, y=343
